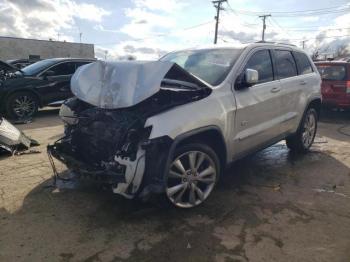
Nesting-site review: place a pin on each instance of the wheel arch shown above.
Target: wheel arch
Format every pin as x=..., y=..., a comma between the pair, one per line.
x=209, y=135
x=313, y=103
x=316, y=104
x=36, y=94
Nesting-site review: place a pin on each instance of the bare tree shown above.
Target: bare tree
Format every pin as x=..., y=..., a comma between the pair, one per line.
x=315, y=54
x=342, y=51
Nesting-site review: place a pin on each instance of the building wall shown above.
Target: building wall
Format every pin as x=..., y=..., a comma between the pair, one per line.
x=16, y=48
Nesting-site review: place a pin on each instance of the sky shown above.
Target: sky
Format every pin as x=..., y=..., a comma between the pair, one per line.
x=147, y=29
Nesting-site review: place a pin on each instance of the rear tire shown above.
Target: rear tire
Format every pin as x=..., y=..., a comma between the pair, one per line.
x=21, y=105
x=192, y=175
x=303, y=139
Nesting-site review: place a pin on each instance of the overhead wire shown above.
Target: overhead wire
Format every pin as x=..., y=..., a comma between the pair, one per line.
x=320, y=11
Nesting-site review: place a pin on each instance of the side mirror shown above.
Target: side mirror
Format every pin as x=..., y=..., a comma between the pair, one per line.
x=251, y=77
x=247, y=79
x=48, y=73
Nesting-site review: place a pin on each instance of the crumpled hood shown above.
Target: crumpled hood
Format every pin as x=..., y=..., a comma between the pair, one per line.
x=7, y=67
x=113, y=85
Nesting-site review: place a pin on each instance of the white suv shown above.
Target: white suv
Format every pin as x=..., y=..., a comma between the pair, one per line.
x=171, y=126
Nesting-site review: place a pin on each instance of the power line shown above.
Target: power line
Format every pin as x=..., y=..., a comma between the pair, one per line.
x=280, y=27
x=295, y=39
x=235, y=13
x=315, y=30
x=297, y=13
x=302, y=11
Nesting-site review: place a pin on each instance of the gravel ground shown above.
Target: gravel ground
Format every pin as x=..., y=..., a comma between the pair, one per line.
x=271, y=206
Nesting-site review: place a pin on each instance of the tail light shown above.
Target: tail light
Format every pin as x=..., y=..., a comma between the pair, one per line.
x=348, y=87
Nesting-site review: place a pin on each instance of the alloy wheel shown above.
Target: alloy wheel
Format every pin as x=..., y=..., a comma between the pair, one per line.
x=24, y=106
x=192, y=177
x=309, y=130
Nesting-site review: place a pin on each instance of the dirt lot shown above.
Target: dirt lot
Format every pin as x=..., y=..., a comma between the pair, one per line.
x=271, y=206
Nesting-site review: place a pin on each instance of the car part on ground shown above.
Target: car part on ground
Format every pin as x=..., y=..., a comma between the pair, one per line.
x=12, y=140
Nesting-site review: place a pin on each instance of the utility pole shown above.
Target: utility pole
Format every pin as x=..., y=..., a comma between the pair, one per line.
x=264, y=26
x=303, y=43
x=217, y=5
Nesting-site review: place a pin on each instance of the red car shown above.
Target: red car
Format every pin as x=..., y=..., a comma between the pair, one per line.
x=335, y=83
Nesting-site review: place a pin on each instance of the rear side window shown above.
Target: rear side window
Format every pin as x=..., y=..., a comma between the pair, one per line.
x=332, y=72
x=303, y=63
x=285, y=63
x=78, y=64
x=261, y=62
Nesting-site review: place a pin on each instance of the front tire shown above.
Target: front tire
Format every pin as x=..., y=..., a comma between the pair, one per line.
x=192, y=175
x=21, y=105
x=304, y=138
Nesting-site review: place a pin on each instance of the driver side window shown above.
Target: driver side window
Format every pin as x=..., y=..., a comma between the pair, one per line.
x=63, y=69
x=261, y=62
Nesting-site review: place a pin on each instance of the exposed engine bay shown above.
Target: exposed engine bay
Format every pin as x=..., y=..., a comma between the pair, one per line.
x=112, y=145
x=7, y=71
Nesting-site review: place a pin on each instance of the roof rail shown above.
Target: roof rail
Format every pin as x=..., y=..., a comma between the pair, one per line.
x=279, y=43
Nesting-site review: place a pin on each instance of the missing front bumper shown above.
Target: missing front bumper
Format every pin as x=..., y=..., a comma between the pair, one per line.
x=109, y=175
x=123, y=175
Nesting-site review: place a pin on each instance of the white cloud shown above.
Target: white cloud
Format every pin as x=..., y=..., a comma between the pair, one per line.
x=45, y=18
x=151, y=22
x=168, y=6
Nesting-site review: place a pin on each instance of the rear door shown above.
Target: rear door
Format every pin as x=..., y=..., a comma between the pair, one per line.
x=297, y=79
x=258, y=114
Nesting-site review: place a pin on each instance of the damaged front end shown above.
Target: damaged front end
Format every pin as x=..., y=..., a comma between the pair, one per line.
x=109, y=143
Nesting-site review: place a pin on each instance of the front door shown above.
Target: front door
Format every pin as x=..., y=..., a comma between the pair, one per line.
x=258, y=115
x=57, y=82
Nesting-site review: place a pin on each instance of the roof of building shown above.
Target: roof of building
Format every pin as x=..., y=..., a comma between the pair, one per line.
x=42, y=40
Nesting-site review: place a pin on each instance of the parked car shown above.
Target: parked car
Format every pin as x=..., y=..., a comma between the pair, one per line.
x=21, y=63
x=335, y=83
x=38, y=85
x=173, y=125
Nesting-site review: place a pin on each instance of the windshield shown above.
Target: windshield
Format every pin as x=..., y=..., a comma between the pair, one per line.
x=211, y=65
x=332, y=72
x=37, y=67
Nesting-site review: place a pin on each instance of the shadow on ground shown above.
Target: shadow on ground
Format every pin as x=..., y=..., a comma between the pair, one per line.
x=47, y=117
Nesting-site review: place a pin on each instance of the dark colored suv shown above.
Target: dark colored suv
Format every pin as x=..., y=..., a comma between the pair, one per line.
x=335, y=83
x=38, y=85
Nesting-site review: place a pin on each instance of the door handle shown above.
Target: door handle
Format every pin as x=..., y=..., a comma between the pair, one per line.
x=275, y=89
x=302, y=83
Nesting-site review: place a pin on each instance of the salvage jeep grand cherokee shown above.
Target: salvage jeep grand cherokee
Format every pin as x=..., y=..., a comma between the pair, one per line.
x=173, y=125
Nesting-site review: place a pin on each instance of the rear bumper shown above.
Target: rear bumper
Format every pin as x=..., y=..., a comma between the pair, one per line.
x=337, y=102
